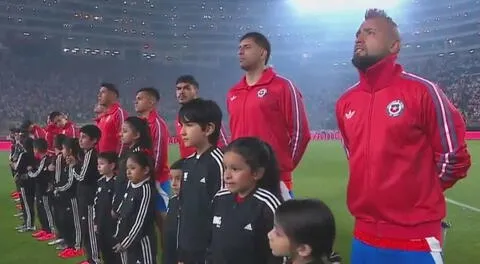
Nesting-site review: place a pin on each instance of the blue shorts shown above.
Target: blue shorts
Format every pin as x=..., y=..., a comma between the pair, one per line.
x=162, y=197
x=366, y=254
x=285, y=192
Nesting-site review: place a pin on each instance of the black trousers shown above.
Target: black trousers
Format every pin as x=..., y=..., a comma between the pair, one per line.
x=89, y=238
x=143, y=252
x=58, y=210
x=106, y=243
x=27, y=190
x=70, y=221
x=44, y=211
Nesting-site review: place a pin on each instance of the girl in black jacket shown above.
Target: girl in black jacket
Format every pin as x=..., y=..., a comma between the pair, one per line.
x=304, y=232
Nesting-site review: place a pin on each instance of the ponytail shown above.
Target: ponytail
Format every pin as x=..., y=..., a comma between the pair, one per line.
x=271, y=176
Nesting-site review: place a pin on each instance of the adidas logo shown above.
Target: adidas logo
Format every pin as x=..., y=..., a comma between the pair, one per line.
x=202, y=180
x=248, y=227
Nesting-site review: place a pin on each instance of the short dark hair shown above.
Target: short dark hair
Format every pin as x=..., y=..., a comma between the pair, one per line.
x=110, y=157
x=92, y=131
x=144, y=160
x=379, y=13
x=54, y=114
x=177, y=165
x=72, y=145
x=40, y=144
x=111, y=87
x=58, y=141
x=310, y=222
x=188, y=79
x=25, y=125
x=151, y=92
x=202, y=112
x=261, y=41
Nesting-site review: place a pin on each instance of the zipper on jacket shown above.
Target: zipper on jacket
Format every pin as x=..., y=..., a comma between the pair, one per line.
x=245, y=98
x=369, y=136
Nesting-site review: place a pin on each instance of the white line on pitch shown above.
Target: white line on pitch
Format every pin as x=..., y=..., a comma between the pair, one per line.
x=465, y=206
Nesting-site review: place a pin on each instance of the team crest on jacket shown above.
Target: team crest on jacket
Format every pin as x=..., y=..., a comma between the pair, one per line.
x=261, y=93
x=395, y=108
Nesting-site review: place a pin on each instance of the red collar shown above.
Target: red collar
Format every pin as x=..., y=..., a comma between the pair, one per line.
x=69, y=124
x=381, y=74
x=152, y=116
x=239, y=199
x=267, y=77
x=114, y=107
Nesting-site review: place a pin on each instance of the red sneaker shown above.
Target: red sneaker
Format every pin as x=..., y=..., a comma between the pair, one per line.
x=39, y=233
x=65, y=252
x=16, y=196
x=15, y=193
x=74, y=253
x=46, y=237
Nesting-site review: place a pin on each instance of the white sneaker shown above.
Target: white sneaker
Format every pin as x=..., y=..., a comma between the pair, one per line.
x=55, y=242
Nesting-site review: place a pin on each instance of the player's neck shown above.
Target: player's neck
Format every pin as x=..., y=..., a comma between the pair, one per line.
x=203, y=148
x=254, y=75
x=145, y=114
x=109, y=104
x=300, y=260
x=109, y=175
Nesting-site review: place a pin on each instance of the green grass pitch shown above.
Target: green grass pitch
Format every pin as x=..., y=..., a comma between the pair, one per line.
x=322, y=174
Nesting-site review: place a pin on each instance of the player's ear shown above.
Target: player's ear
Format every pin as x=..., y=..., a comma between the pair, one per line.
x=146, y=170
x=258, y=174
x=209, y=129
x=304, y=250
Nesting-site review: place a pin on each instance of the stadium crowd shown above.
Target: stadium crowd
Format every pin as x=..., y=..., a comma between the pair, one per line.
x=44, y=85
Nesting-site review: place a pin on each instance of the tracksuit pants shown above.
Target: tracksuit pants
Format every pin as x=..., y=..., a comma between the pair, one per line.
x=144, y=252
x=69, y=220
x=44, y=210
x=106, y=242
x=89, y=238
x=58, y=210
x=28, y=202
x=363, y=253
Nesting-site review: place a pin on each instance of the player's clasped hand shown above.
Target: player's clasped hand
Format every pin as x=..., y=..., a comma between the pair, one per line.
x=71, y=160
x=51, y=167
x=118, y=248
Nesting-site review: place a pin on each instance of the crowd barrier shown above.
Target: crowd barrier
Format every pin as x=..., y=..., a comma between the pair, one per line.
x=320, y=135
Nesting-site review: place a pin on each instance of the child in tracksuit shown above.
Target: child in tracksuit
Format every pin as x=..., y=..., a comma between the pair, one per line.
x=65, y=192
x=304, y=231
x=135, y=234
x=85, y=171
x=59, y=205
x=202, y=178
x=171, y=224
x=43, y=185
x=245, y=209
x=27, y=184
x=136, y=138
x=104, y=222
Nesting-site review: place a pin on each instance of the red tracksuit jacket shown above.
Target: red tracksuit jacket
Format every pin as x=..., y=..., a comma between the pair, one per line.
x=160, y=135
x=38, y=132
x=70, y=130
x=188, y=151
x=110, y=123
x=273, y=111
x=405, y=144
